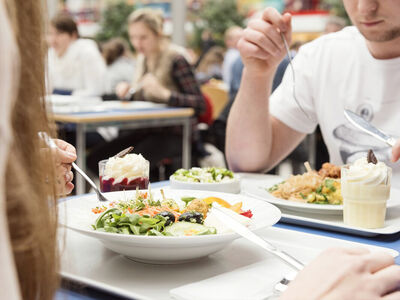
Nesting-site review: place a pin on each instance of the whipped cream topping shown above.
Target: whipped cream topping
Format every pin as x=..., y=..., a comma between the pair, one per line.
x=130, y=166
x=366, y=173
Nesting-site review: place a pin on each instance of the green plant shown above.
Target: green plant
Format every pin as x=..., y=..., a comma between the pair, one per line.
x=113, y=23
x=216, y=16
x=336, y=8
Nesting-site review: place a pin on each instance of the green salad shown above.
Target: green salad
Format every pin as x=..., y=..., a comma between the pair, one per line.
x=203, y=175
x=144, y=215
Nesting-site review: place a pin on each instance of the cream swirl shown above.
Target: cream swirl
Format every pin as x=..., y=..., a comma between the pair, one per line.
x=130, y=166
x=362, y=172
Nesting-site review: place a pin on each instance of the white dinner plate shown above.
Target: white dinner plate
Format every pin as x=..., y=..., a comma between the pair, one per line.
x=256, y=185
x=76, y=214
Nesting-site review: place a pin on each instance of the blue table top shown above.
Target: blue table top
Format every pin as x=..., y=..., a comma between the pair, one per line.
x=389, y=241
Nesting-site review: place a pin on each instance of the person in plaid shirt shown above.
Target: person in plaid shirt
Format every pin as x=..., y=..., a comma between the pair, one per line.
x=162, y=75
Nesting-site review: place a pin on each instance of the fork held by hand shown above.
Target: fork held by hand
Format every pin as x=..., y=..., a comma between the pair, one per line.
x=49, y=141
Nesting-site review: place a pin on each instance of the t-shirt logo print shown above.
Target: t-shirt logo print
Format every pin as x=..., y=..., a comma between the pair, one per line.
x=355, y=143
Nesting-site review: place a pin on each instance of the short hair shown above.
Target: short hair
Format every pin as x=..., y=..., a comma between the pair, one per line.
x=114, y=49
x=152, y=18
x=64, y=23
x=336, y=20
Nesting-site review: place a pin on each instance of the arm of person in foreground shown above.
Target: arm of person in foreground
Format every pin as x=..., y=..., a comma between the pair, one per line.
x=255, y=140
x=396, y=152
x=65, y=156
x=347, y=274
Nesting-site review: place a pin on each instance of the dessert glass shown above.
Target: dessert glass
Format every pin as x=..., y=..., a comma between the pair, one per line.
x=364, y=205
x=109, y=184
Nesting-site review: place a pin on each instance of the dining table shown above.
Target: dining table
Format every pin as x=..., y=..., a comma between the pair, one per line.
x=123, y=115
x=79, y=288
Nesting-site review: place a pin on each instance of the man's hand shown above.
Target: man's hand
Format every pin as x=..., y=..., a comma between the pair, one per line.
x=396, y=152
x=261, y=45
x=65, y=154
x=347, y=274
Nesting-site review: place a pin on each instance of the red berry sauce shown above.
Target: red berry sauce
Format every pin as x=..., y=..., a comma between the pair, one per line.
x=107, y=185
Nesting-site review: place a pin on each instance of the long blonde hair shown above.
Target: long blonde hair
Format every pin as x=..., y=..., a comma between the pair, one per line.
x=30, y=186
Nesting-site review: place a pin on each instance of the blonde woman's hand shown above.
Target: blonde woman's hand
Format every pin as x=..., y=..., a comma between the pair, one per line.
x=261, y=45
x=122, y=89
x=347, y=274
x=65, y=155
x=396, y=152
x=154, y=88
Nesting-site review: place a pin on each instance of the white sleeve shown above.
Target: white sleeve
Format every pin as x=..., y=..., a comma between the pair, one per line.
x=283, y=105
x=94, y=72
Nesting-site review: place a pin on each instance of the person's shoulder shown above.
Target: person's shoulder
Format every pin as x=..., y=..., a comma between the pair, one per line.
x=333, y=44
x=87, y=46
x=346, y=36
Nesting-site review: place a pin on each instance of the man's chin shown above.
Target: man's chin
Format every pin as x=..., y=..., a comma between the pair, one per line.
x=380, y=36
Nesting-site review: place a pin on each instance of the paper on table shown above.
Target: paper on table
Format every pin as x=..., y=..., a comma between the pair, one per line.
x=254, y=282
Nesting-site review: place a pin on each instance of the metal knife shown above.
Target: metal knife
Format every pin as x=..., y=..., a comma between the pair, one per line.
x=248, y=234
x=365, y=126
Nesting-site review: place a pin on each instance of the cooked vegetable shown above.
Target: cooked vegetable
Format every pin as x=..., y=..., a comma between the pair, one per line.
x=192, y=217
x=198, y=205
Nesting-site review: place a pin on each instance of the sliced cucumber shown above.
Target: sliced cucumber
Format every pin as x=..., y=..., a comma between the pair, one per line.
x=188, y=229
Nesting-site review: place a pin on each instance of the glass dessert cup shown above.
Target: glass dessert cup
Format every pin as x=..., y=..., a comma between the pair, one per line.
x=364, y=205
x=109, y=184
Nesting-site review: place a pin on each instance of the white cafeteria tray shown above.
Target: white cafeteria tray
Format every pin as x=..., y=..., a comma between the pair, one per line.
x=335, y=222
x=327, y=220
x=86, y=260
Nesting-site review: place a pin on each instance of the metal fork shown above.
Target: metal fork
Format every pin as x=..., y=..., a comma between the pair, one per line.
x=49, y=141
x=293, y=76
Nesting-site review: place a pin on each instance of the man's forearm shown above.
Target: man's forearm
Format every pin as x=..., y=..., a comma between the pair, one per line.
x=249, y=131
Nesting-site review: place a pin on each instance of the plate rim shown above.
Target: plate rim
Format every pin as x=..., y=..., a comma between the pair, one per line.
x=172, y=239
x=297, y=206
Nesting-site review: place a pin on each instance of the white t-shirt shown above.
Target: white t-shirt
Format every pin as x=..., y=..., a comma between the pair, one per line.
x=120, y=70
x=81, y=69
x=335, y=72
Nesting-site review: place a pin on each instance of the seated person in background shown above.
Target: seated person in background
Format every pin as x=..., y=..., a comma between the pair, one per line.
x=330, y=77
x=207, y=42
x=232, y=36
x=28, y=250
x=334, y=23
x=162, y=75
x=120, y=63
x=210, y=66
x=75, y=65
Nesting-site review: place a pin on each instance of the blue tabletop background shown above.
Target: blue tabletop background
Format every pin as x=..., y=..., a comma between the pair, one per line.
x=70, y=291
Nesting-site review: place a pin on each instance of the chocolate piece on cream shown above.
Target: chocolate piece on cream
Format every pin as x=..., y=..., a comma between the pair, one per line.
x=371, y=157
x=124, y=152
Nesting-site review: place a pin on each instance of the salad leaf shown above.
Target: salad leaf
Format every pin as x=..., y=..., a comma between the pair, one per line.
x=187, y=200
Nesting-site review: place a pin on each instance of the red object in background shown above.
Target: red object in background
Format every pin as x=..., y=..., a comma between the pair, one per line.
x=308, y=12
x=207, y=116
x=247, y=214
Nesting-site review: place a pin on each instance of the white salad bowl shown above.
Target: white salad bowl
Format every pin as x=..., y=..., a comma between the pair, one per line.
x=228, y=186
x=75, y=213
